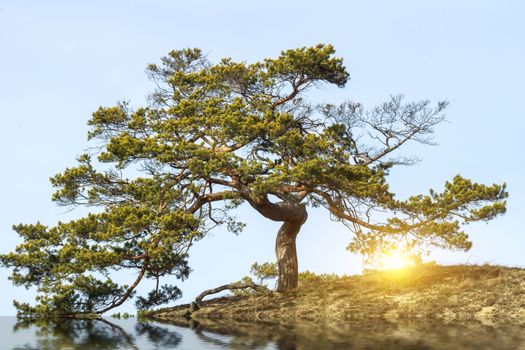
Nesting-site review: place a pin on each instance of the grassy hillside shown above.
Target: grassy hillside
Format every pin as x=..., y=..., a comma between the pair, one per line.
x=487, y=294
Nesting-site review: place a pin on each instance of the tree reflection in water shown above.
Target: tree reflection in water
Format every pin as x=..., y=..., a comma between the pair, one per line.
x=226, y=339
x=130, y=334
x=76, y=334
x=94, y=334
x=161, y=337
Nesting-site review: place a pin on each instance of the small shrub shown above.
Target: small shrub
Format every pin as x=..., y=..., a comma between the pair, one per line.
x=264, y=271
x=308, y=276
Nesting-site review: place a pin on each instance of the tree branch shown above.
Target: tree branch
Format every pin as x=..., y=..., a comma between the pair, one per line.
x=231, y=286
x=212, y=197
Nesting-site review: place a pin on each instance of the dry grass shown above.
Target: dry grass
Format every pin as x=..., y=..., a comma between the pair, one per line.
x=488, y=294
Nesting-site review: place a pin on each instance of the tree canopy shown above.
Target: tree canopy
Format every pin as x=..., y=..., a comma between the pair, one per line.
x=214, y=136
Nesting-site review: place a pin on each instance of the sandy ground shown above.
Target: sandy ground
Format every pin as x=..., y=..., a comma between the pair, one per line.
x=489, y=295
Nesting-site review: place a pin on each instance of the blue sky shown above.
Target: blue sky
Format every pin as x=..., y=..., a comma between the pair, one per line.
x=60, y=60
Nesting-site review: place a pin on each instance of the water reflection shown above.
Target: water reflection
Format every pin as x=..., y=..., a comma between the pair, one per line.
x=108, y=334
x=162, y=338
x=75, y=334
x=95, y=334
x=377, y=335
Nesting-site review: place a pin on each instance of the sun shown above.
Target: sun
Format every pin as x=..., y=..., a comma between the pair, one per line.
x=394, y=260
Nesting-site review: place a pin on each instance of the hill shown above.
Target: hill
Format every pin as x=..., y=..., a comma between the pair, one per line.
x=491, y=295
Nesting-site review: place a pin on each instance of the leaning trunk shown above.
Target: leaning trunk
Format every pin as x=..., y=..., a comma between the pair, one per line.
x=286, y=253
x=293, y=215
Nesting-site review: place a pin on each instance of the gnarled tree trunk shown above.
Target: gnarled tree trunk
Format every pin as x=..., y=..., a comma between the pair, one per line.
x=294, y=215
x=286, y=254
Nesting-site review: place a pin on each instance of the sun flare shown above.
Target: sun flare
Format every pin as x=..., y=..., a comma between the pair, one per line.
x=394, y=260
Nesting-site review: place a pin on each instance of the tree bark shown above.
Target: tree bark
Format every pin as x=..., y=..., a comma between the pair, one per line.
x=294, y=215
x=286, y=253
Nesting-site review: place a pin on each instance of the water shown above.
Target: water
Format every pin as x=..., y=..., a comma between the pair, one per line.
x=132, y=334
